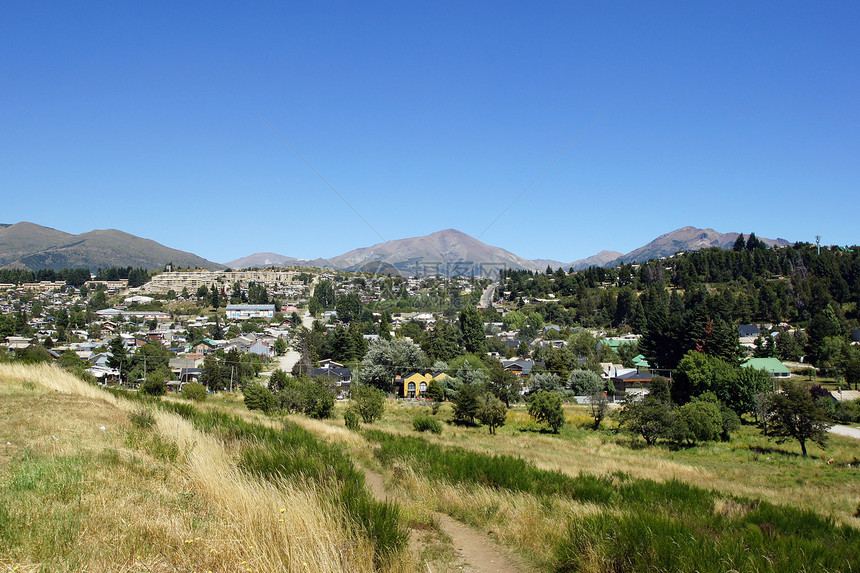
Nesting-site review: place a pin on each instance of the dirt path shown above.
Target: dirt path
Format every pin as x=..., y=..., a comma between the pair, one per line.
x=479, y=553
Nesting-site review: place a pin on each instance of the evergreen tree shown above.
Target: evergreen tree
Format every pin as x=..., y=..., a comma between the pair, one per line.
x=117, y=359
x=472, y=330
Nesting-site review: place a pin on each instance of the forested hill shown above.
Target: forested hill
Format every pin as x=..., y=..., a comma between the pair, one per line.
x=696, y=300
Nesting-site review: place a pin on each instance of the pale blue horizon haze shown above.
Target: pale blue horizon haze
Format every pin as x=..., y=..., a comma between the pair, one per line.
x=153, y=118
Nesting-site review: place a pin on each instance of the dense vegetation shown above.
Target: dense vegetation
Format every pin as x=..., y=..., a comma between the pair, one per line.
x=75, y=277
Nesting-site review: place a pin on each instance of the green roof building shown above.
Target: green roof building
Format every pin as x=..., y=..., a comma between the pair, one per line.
x=640, y=362
x=770, y=365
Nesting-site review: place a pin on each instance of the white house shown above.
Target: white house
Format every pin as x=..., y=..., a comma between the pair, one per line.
x=246, y=311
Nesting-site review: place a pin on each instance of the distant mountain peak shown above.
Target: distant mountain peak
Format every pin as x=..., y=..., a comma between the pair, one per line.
x=446, y=248
x=37, y=247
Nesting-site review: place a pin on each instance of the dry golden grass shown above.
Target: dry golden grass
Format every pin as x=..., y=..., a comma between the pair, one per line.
x=165, y=499
x=524, y=521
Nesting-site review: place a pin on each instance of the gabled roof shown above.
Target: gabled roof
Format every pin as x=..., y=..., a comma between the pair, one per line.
x=524, y=365
x=769, y=365
x=748, y=330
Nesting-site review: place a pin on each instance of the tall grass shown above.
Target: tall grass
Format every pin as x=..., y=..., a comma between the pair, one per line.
x=292, y=452
x=99, y=492
x=455, y=465
x=643, y=524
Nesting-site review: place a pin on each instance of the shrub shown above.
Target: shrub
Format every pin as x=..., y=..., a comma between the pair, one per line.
x=350, y=419
x=257, y=397
x=33, y=354
x=424, y=423
x=702, y=420
x=278, y=380
x=369, y=402
x=319, y=401
x=69, y=360
x=492, y=412
x=292, y=396
x=154, y=385
x=650, y=418
x=435, y=391
x=545, y=408
x=848, y=412
x=731, y=423
x=194, y=391
x=142, y=419
x=466, y=404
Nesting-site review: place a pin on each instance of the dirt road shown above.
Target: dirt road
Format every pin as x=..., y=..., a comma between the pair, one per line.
x=846, y=431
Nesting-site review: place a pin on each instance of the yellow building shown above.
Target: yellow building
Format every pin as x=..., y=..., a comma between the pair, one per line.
x=415, y=385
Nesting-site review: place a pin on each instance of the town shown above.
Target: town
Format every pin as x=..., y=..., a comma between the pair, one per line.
x=700, y=376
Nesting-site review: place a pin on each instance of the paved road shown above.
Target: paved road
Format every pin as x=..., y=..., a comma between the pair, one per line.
x=291, y=356
x=846, y=431
x=487, y=297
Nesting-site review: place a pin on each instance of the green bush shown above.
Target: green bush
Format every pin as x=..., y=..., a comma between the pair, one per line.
x=33, y=354
x=350, y=419
x=847, y=412
x=466, y=403
x=257, y=397
x=154, y=385
x=435, y=391
x=194, y=391
x=369, y=402
x=424, y=423
x=492, y=412
x=702, y=421
x=545, y=407
x=319, y=401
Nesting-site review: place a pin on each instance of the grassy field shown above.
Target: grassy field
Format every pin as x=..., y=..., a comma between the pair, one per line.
x=93, y=481
x=582, y=488
x=749, y=465
x=96, y=483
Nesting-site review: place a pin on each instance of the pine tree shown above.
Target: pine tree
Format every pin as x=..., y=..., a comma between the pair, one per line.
x=472, y=330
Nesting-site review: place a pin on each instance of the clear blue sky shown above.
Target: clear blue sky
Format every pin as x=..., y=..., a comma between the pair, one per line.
x=145, y=117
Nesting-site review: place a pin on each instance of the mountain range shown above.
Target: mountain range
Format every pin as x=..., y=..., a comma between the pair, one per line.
x=32, y=246
x=453, y=248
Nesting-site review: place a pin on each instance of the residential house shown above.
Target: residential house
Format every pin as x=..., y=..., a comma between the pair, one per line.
x=17, y=342
x=772, y=366
x=246, y=311
x=519, y=367
x=633, y=378
x=205, y=346
x=415, y=385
